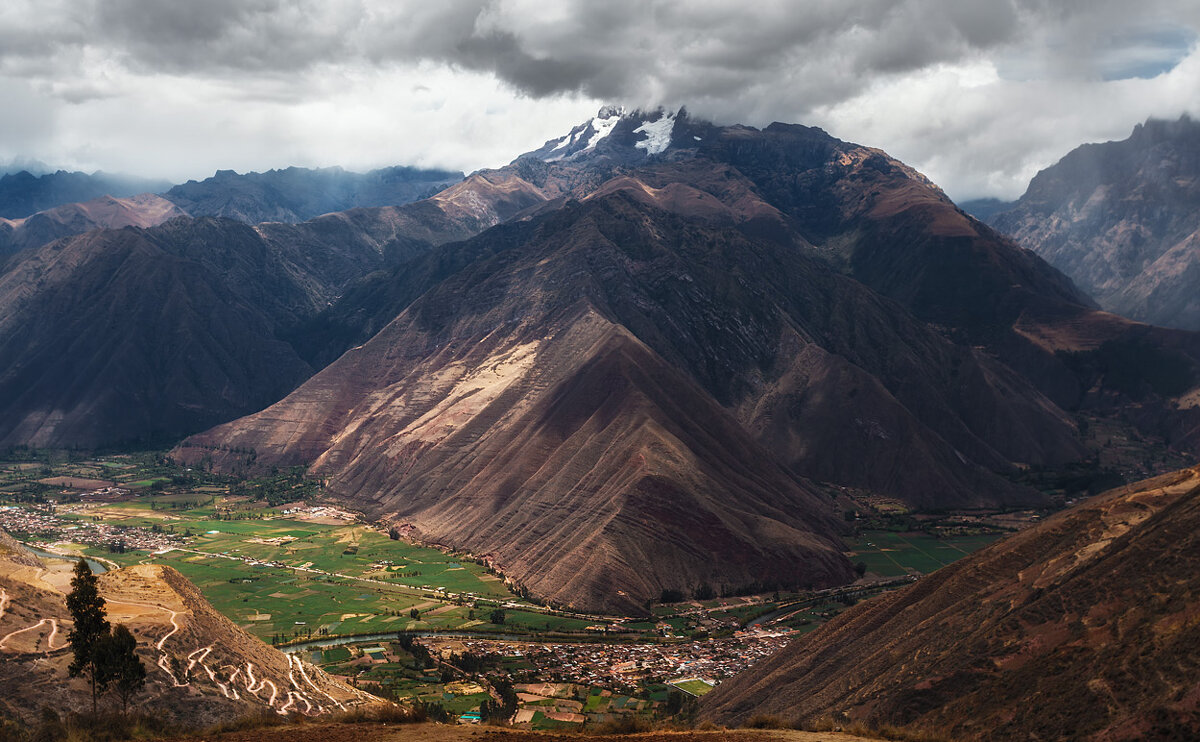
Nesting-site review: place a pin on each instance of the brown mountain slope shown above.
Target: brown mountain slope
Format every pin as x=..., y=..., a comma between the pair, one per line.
x=107, y=337
x=890, y=227
x=579, y=463
x=1082, y=627
x=145, y=210
x=893, y=230
x=543, y=405
x=201, y=668
x=746, y=318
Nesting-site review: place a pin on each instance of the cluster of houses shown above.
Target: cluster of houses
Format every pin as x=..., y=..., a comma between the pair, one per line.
x=45, y=522
x=627, y=665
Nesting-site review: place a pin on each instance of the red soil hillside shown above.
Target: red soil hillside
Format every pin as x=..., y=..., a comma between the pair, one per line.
x=1086, y=626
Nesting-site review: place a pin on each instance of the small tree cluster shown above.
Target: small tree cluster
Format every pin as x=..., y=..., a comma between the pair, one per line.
x=106, y=655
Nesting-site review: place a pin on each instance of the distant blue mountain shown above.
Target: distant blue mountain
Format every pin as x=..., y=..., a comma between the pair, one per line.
x=24, y=193
x=298, y=194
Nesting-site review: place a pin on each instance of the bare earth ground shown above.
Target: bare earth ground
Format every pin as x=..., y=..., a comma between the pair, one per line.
x=450, y=733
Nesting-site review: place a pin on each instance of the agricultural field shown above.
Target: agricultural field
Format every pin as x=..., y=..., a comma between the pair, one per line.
x=283, y=579
x=257, y=548
x=694, y=686
x=262, y=555
x=891, y=554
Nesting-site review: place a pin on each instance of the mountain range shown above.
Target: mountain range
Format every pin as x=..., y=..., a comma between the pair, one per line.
x=37, y=210
x=170, y=329
x=43, y=227
x=23, y=194
x=819, y=303
x=1122, y=219
x=297, y=194
x=650, y=325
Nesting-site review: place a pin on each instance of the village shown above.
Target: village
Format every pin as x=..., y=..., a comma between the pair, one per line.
x=45, y=522
x=625, y=666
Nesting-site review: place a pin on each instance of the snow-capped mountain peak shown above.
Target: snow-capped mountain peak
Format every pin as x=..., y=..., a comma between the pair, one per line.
x=613, y=132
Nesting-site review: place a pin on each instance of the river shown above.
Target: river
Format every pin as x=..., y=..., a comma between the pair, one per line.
x=97, y=567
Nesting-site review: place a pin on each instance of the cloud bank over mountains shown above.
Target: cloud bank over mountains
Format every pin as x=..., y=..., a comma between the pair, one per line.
x=977, y=93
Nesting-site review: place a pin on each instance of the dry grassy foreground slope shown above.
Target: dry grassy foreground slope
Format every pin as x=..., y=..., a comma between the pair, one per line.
x=1086, y=626
x=202, y=668
x=443, y=733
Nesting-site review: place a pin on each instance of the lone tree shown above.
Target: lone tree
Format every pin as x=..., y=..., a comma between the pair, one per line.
x=498, y=616
x=87, y=612
x=119, y=664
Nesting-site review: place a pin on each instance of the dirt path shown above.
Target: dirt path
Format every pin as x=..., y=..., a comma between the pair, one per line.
x=49, y=640
x=174, y=614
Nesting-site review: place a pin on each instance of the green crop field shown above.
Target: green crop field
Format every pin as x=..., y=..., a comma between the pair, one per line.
x=892, y=554
x=287, y=578
x=694, y=687
x=543, y=622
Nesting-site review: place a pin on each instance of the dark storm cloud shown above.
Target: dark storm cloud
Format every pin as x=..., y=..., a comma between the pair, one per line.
x=962, y=88
x=500, y=52
x=251, y=35
x=623, y=49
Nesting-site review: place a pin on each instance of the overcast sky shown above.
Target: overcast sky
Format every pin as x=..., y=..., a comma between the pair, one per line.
x=978, y=94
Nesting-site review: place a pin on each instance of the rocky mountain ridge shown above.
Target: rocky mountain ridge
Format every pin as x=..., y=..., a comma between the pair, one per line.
x=298, y=194
x=106, y=212
x=1123, y=220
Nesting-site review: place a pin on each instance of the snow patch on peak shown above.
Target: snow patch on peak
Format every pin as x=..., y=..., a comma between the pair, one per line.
x=585, y=137
x=658, y=134
x=603, y=127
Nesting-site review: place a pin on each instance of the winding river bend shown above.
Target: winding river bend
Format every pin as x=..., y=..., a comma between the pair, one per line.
x=97, y=567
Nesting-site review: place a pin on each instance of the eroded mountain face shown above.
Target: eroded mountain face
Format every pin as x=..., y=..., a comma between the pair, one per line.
x=1123, y=220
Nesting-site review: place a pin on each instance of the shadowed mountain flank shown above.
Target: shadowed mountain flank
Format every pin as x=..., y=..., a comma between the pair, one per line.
x=145, y=335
